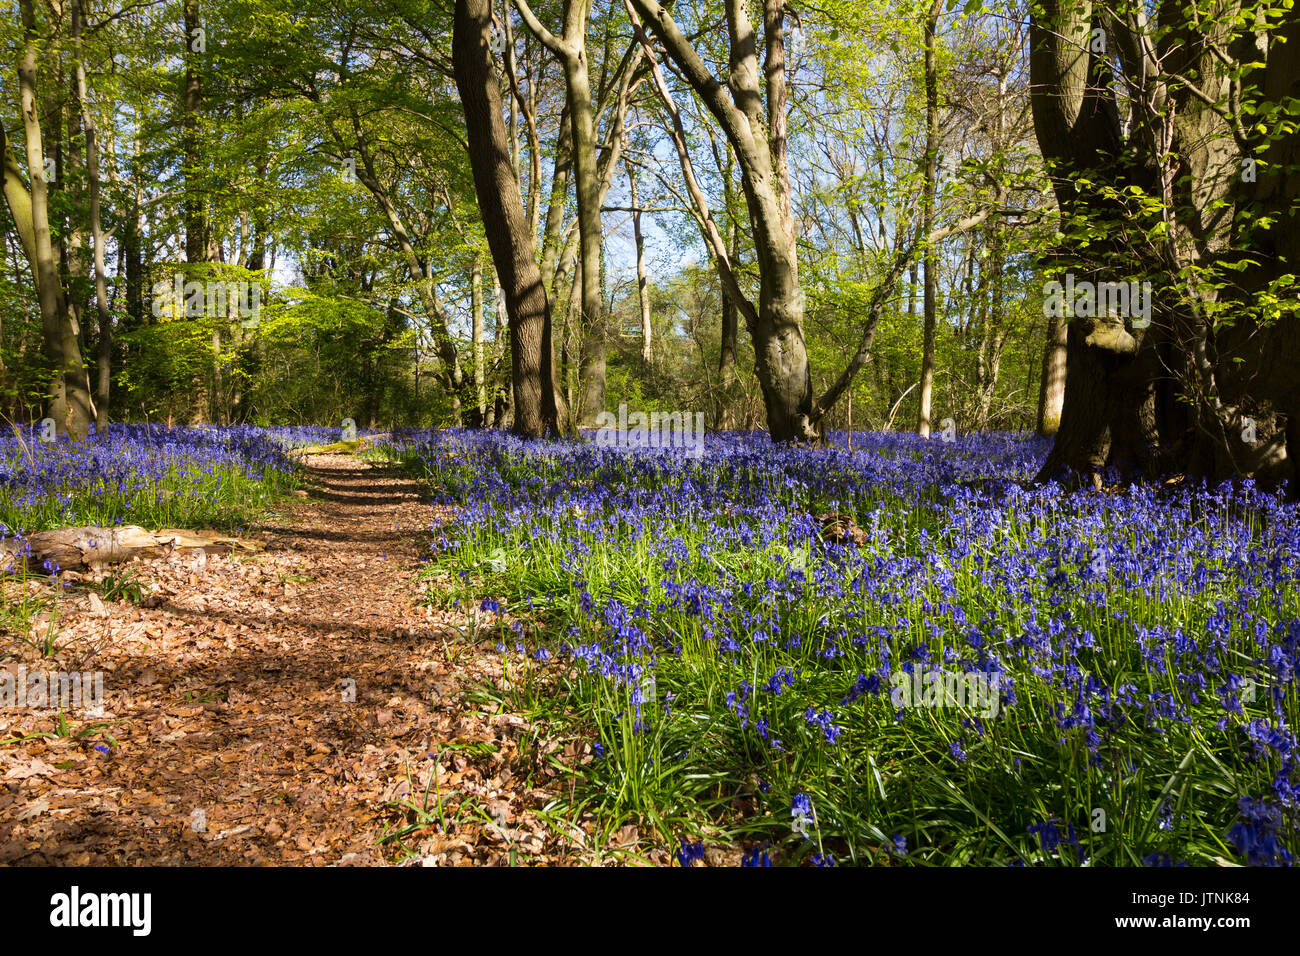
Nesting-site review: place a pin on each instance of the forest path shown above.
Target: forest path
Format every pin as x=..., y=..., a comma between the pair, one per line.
x=226, y=690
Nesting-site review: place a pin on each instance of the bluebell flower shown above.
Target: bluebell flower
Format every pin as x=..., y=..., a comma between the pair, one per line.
x=688, y=853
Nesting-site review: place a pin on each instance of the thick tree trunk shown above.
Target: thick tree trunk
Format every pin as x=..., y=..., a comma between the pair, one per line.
x=506, y=224
x=1208, y=385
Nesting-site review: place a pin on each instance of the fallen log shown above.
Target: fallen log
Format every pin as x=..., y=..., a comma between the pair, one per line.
x=84, y=548
x=347, y=447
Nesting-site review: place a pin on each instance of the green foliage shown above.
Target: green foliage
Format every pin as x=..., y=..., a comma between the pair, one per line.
x=122, y=586
x=697, y=751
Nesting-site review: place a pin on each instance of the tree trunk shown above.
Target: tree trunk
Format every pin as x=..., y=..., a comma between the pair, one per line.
x=196, y=235
x=727, y=365
x=553, y=232
x=104, y=356
x=759, y=142
x=506, y=224
x=476, y=333
x=1206, y=383
x=726, y=418
x=1051, y=390
x=595, y=344
x=642, y=288
x=68, y=400
x=931, y=262
x=133, y=246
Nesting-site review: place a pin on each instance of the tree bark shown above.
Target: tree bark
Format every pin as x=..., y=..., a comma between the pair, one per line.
x=571, y=50
x=104, y=355
x=68, y=400
x=476, y=333
x=725, y=417
x=1051, y=391
x=506, y=224
x=642, y=285
x=931, y=261
x=758, y=140
x=196, y=233
x=1164, y=197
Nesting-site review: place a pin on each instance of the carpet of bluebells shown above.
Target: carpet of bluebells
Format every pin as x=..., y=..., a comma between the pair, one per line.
x=733, y=665
x=145, y=475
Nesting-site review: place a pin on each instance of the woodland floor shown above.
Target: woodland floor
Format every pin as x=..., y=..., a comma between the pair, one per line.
x=225, y=692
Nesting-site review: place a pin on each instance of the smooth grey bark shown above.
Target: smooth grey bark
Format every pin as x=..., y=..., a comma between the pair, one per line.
x=476, y=334
x=68, y=400
x=757, y=136
x=570, y=48
x=1051, y=392
x=723, y=251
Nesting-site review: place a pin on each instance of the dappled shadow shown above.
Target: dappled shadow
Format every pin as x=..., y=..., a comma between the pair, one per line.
x=364, y=500
x=284, y=695
x=297, y=538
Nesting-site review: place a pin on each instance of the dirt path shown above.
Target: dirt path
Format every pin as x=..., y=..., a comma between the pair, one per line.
x=227, y=692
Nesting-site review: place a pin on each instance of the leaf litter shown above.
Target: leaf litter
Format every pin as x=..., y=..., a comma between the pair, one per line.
x=295, y=706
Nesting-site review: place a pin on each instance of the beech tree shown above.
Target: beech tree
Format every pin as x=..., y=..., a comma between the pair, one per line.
x=752, y=114
x=751, y=109
x=320, y=151
x=509, y=233
x=570, y=48
x=68, y=399
x=931, y=260
x=1173, y=144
